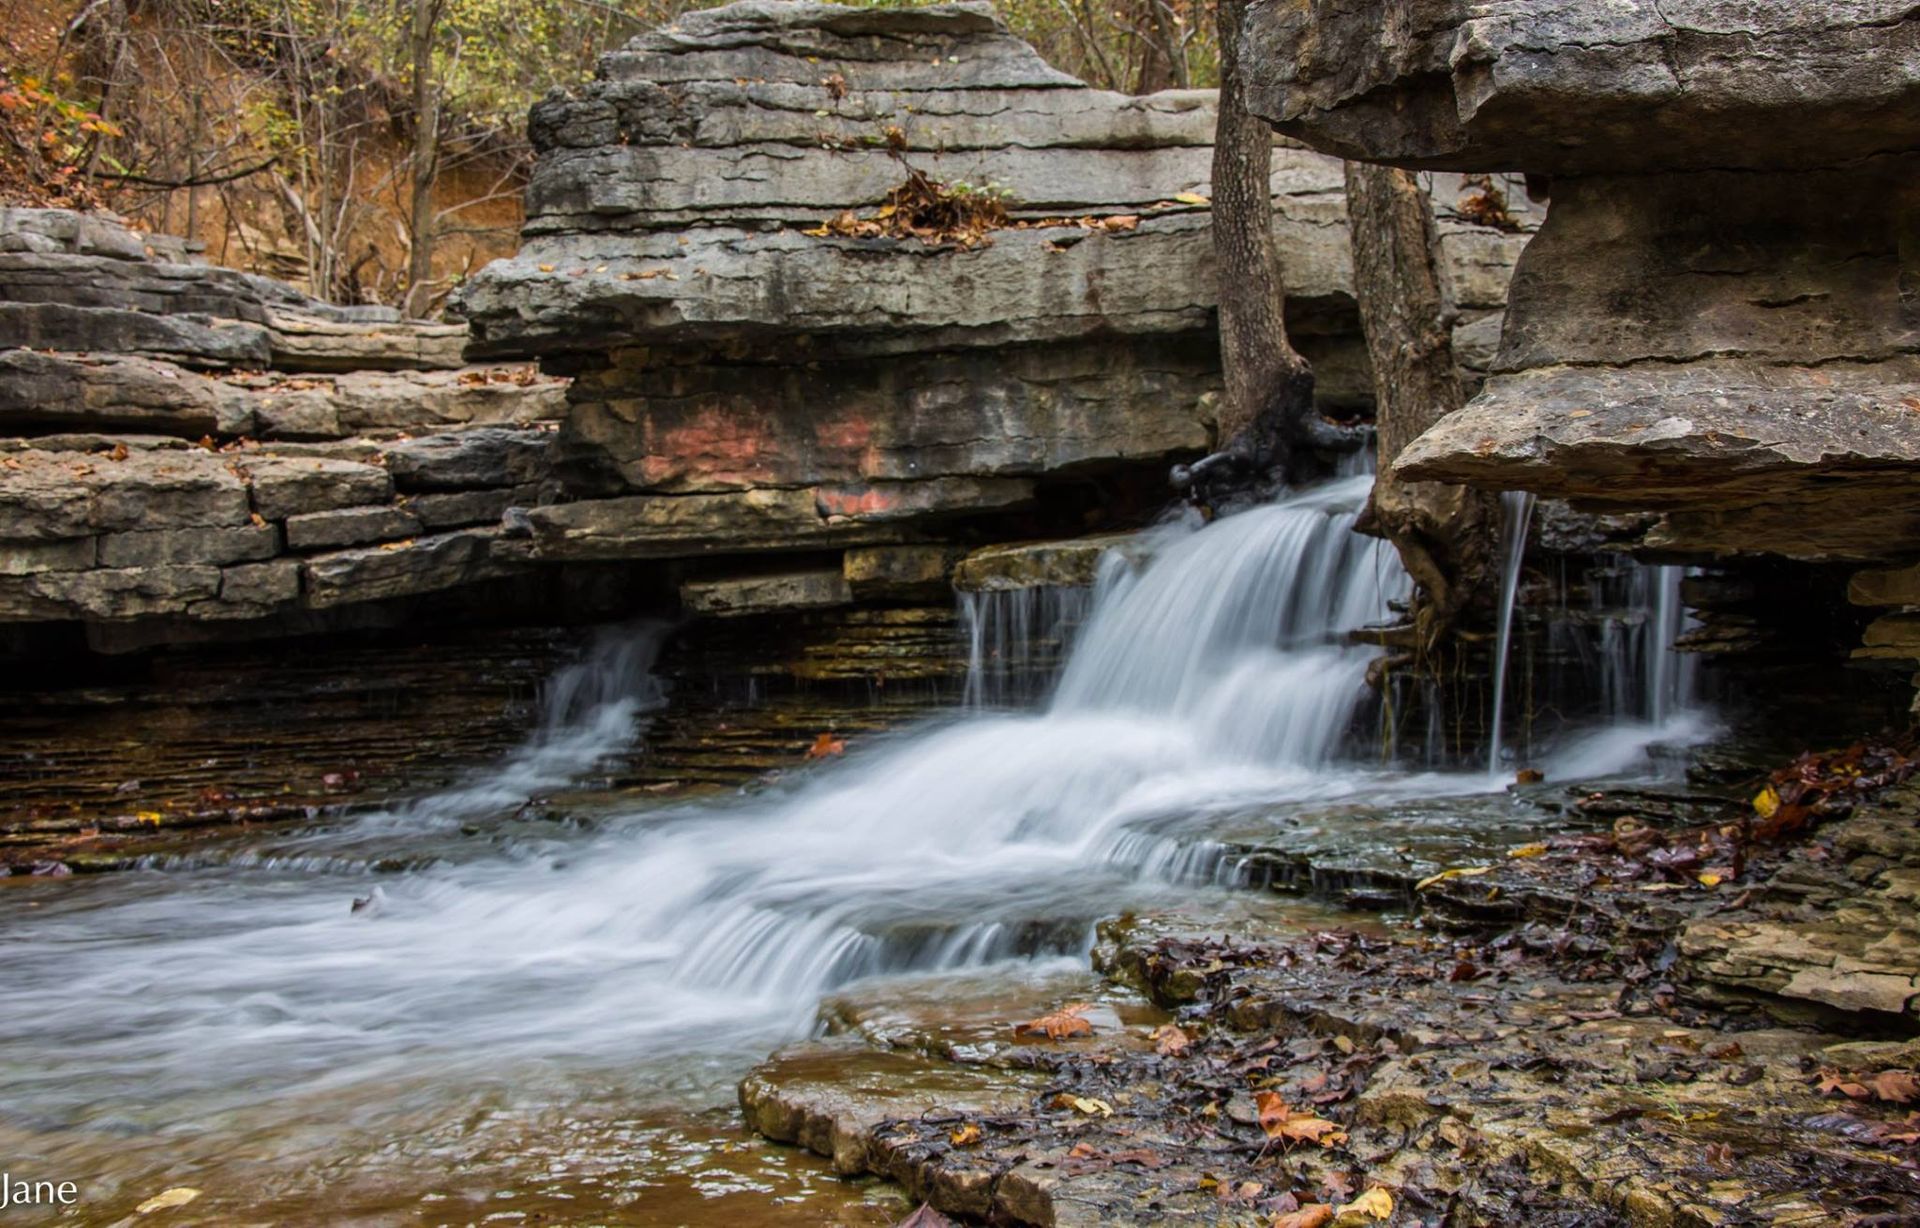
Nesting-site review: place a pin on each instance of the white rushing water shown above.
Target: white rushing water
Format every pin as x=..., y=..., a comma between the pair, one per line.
x=1218, y=674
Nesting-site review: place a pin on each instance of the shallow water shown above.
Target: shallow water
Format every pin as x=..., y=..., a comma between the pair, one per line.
x=284, y=1025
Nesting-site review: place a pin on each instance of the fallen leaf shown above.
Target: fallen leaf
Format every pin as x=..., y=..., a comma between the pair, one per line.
x=1191, y=198
x=1832, y=1082
x=926, y=1217
x=1444, y=875
x=1083, y=1105
x=967, y=1135
x=1058, y=1025
x=1170, y=1041
x=825, y=745
x=546, y=268
x=1312, y=1215
x=1375, y=1204
x=1895, y=1086
x=166, y=1200
x=1283, y=1123
x=1527, y=850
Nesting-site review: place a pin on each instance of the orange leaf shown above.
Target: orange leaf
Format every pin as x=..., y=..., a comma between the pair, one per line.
x=1170, y=1041
x=1283, y=1123
x=1312, y=1215
x=967, y=1135
x=826, y=744
x=1895, y=1086
x=1058, y=1025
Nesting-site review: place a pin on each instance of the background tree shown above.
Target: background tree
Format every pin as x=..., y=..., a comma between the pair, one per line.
x=1444, y=534
x=1266, y=408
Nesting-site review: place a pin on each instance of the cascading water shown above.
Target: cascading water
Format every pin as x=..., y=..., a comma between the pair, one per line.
x=1518, y=520
x=686, y=938
x=1018, y=639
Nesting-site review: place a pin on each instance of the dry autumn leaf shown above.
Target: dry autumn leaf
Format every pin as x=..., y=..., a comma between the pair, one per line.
x=166, y=1200
x=1285, y=1124
x=826, y=745
x=1444, y=875
x=1311, y=1215
x=1083, y=1105
x=926, y=1217
x=1895, y=1086
x=967, y=1135
x=1058, y=1025
x=1170, y=1041
x=1375, y=1204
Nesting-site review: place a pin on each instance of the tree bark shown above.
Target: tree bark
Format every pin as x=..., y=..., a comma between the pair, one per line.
x=1445, y=534
x=1268, y=396
x=426, y=160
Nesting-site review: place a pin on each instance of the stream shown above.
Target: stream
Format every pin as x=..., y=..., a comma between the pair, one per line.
x=546, y=1020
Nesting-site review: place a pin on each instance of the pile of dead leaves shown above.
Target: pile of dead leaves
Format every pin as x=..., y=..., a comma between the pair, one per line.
x=1483, y=203
x=1821, y=786
x=925, y=209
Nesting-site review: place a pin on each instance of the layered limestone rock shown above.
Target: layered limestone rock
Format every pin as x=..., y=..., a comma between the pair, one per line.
x=193, y=452
x=1717, y=320
x=752, y=375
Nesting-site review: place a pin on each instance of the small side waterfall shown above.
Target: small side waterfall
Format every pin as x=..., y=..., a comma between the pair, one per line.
x=1518, y=508
x=1642, y=676
x=1018, y=640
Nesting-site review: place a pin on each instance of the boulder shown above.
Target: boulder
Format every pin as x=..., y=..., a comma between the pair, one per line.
x=47, y=495
x=1073, y=563
x=1565, y=87
x=197, y=342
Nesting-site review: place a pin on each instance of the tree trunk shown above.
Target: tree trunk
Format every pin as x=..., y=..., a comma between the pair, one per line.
x=1444, y=534
x=426, y=160
x=1268, y=396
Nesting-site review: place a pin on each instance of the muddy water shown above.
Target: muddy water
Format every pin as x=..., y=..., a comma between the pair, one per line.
x=458, y=1010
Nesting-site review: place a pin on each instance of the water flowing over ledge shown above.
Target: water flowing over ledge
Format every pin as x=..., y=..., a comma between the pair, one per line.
x=688, y=935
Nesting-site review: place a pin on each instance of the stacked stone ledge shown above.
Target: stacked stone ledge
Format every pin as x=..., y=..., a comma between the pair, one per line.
x=188, y=450
x=1717, y=322
x=742, y=386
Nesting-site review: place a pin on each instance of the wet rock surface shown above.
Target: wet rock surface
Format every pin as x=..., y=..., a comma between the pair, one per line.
x=1569, y=1032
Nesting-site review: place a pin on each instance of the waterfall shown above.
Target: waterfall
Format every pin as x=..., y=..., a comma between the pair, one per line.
x=1214, y=678
x=1018, y=639
x=1642, y=676
x=1518, y=508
